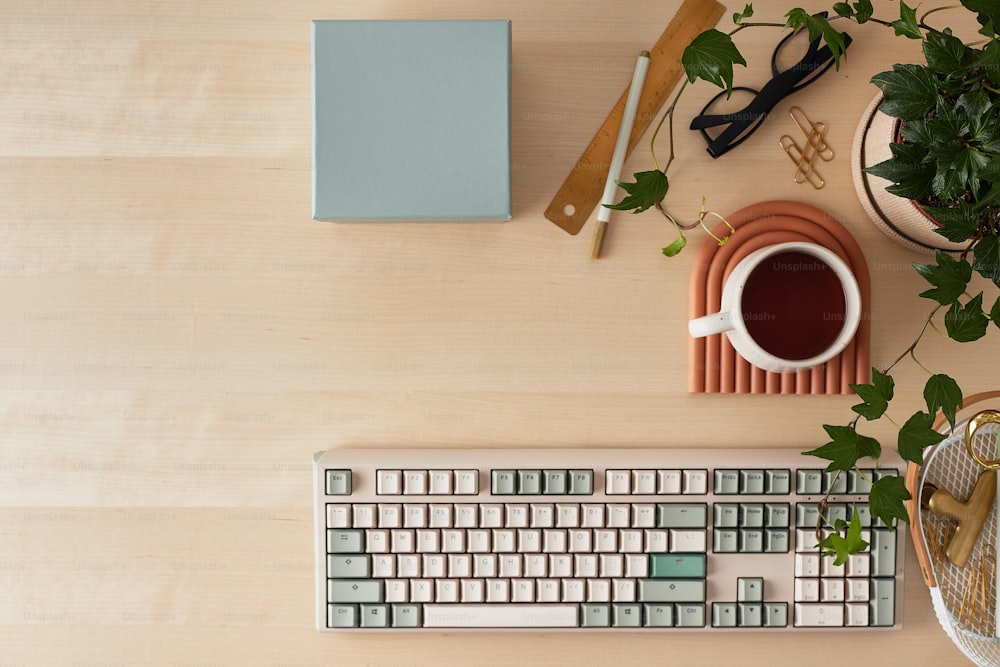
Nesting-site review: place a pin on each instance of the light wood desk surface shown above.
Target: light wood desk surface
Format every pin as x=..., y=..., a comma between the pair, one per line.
x=178, y=337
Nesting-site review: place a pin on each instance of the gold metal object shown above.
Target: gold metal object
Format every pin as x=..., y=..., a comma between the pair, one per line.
x=973, y=425
x=815, y=147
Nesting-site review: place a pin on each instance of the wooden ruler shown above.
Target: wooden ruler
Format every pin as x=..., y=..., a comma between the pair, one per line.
x=582, y=190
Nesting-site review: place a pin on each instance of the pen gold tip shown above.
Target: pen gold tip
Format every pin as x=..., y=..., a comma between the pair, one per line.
x=645, y=54
x=595, y=247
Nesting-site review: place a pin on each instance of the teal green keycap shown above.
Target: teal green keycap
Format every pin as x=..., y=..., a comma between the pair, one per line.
x=677, y=566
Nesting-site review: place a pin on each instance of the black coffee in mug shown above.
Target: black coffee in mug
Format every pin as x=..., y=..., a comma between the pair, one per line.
x=793, y=305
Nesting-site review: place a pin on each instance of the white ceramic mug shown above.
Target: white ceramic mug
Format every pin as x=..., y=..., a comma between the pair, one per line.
x=789, y=290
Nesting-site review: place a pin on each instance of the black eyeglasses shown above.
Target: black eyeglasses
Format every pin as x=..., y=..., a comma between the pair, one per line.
x=737, y=126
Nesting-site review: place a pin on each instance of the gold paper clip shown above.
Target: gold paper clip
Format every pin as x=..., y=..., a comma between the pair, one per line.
x=816, y=147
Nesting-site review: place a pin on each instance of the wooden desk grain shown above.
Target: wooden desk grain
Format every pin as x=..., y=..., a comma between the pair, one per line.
x=178, y=337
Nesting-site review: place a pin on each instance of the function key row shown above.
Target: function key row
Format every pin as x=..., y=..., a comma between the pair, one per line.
x=818, y=481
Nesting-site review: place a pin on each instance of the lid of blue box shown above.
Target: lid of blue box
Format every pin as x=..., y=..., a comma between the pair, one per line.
x=411, y=120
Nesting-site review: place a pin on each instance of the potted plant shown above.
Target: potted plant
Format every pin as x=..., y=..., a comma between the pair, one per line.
x=947, y=157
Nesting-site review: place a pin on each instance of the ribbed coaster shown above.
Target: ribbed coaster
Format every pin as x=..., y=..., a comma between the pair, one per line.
x=715, y=367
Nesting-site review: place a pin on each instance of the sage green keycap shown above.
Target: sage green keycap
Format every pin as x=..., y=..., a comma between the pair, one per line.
x=724, y=541
x=751, y=540
x=407, y=616
x=658, y=615
x=883, y=552
x=835, y=511
x=860, y=482
x=835, y=481
x=581, y=482
x=749, y=614
x=776, y=515
x=345, y=541
x=727, y=515
x=354, y=590
x=626, y=615
x=776, y=541
x=752, y=482
x=751, y=515
x=864, y=514
x=554, y=482
x=595, y=616
x=882, y=602
x=749, y=589
x=529, y=482
x=775, y=614
x=341, y=615
x=352, y=566
x=778, y=482
x=504, y=482
x=690, y=615
x=806, y=515
x=809, y=482
x=672, y=590
x=727, y=482
x=723, y=615
x=374, y=615
x=677, y=566
x=682, y=515
x=338, y=482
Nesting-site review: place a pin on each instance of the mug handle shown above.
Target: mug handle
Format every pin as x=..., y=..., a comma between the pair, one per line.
x=709, y=325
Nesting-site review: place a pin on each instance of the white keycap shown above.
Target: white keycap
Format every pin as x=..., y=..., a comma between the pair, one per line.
x=491, y=516
x=832, y=590
x=501, y=616
x=517, y=516
x=389, y=482
x=859, y=565
x=402, y=541
x=383, y=567
x=497, y=590
x=547, y=590
x=377, y=541
x=536, y=566
x=414, y=482
x=421, y=590
x=466, y=516
x=433, y=565
x=623, y=590
x=858, y=590
x=644, y=482
x=807, y=565
x=560, y=565
x=807, y=590
x=669, y=482
x=618, y=482
x=504, y=541
x=473, y=590
x=612, y=565
x=522, y=590
x=806, y=540
x=446, y=590
x=636, y=566
x=686, y=541
x=529, y=541
x=452, y=541
x=818, y=615
x=338, y=516
x=554, y=541
x=390, y=516
x=440, y=516
x=857, y=613
x=573, y=590
x=542, y=516
x=510, y=565
x=630, y=541
x=484, y=566
x=397, y=590
x=567, y=515
x=414, y=516
x=584, y=565
x=364, y=516
x=440, y=482
x=605, y=541
x=598, y=590
x=656, y=541
x=643, y=516
x=579, y=541
x=459, y=566
x=828, y=569
x=695, y=482
x=478, y=541
x=407, y=566
x=618, y=516
x=592, y=516
x=466, y=482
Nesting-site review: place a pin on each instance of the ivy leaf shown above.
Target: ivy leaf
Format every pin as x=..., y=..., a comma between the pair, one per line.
x=711, y=56
x=986, y=258
x=906, y=25
x=650, y=188
x=966, y=323
x=745, y=14
x=995, y=312
x=906, y=169
x=842, y=546
x=943, y=393
x=958, y=223
x=946, y=53
x=876, y=396
x=917, y=433
x=887, y=497
x=675, y=247
x=843, y=10
x=988, y=13
x=949, y=277
x=863, y=11
x=909, y=91
x=818, y=26
x=845, y=448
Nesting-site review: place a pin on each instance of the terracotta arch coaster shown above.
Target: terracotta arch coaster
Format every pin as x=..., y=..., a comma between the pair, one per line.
x=715, y=367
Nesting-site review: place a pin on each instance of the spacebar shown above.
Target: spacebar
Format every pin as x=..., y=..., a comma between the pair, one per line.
x=501, y=615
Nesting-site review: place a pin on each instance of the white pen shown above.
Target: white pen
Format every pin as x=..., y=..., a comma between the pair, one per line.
x=618, y=156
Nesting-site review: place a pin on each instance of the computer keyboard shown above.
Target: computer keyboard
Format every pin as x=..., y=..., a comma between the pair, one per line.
x=614, y=540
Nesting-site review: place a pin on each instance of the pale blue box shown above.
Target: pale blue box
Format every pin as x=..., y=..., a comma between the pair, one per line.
x=411, y=119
